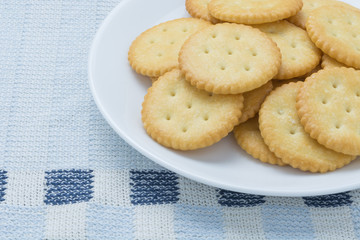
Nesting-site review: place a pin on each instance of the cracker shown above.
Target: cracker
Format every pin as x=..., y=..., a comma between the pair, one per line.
x=253, y=100
x=199, y=9
x=329, y=108
x=180, y=116
x=336, y=31
x=299, y=54
x=309, y=5
x=249, y=138
x=328, y=62
x=282, y=131
x=277, y=83
x=229, y=58
x=253, y=12
x=156, y=50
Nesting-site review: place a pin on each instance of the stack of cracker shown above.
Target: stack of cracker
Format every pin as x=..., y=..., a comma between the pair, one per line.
x=214, y=72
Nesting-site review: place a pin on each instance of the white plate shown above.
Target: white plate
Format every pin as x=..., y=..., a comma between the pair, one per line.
x=118, y=92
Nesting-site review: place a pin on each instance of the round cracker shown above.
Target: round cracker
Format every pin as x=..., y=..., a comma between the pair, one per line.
x=277, y=83
x=156, y=50
x=199, y=9
x=308, y=6
x=229, y=58
x=336, y=31
x=253, y=12
x=329, y=108
x=249, y=138
x=180, y=116
x=253, y=100
x=328, y=62
x=282, y=131
x=299, y=54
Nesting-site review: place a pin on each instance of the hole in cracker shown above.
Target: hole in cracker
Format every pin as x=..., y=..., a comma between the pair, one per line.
x=354, y=35
x=237, y=37
x=206, y=51
x=292, y=131
x=168, y=117
x=254, y=54
x=324, y=101
x=334, y=34
x=184, y=129
x=206, y=117
x=247, y=68
x=152, y=41
x=357, y=94
x=280, y=112
x=210, y=94
x=185, y=30
x=337, y=126
x=172, y=93
x=334, y=85
x=164, y=30
x=348, y=109
x=330, y=21
x=293, y=45
x=293, y=58
x=349, y=22
x=230, y=52
x=222, y=68
x=213, y=35
x=189, y=105
x=172, y=42
x=159, y=54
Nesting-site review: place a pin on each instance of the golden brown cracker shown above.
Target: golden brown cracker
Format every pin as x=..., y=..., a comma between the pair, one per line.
x=180, y=116
x=328, y=62
x=229, y=58
x=249, y=138
x=299, y=54
x=282, y=131
x=336, y=31
x=329, y=108
x=199, y=9
x=156, y=50
x=309, y=5
x=253, y=100
x=253, y=12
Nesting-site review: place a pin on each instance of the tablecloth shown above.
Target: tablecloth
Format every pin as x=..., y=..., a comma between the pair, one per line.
x=65, y=174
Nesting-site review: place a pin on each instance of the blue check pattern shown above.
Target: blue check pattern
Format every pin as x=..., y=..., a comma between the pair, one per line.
x=65, y=174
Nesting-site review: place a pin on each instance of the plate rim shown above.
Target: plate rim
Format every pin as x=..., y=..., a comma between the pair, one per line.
x=278, y=193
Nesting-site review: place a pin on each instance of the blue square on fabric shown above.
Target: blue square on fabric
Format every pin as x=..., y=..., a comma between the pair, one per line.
x=235, y=199
x=19, y=222
x=333, y=200
x=3, y=182
x=196, y=222
x=355, y=212
x=68, y=186
x=109, y=222
x=287, y=222
x=153, y=187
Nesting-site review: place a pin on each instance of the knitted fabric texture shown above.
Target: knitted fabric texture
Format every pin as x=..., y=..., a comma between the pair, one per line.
x=65, y=174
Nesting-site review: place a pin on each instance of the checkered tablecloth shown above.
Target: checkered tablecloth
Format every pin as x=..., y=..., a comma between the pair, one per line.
x=65, y=174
